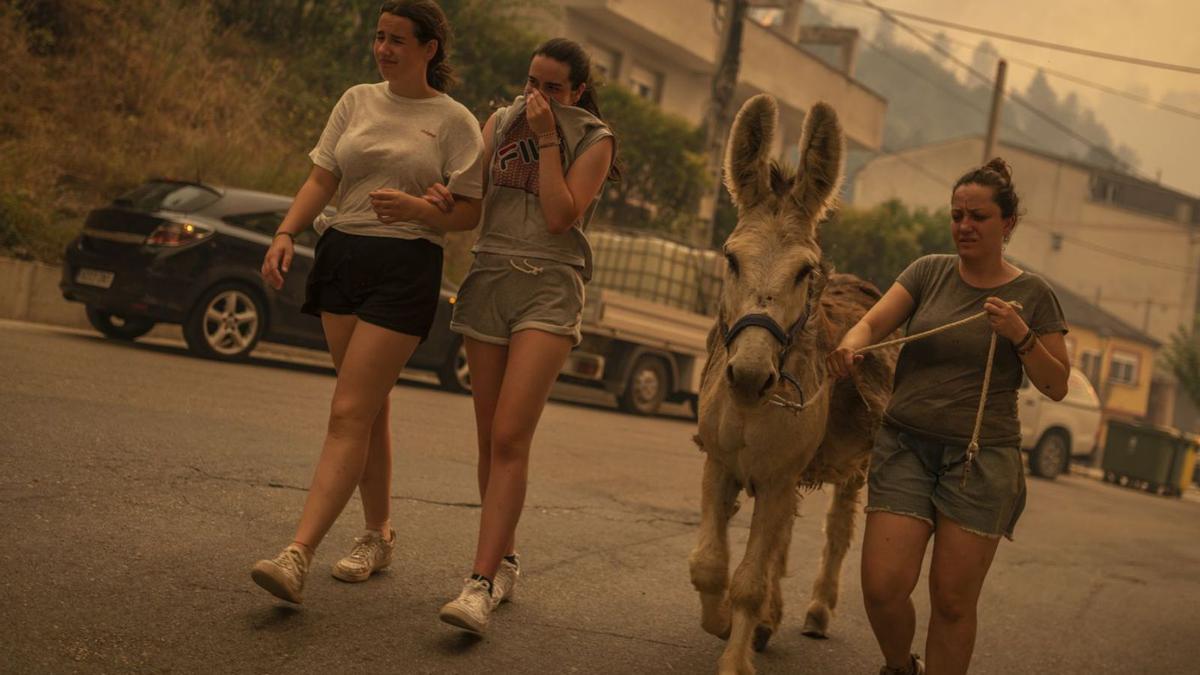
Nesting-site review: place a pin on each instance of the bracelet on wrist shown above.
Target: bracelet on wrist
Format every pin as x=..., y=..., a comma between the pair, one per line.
x=1028, y=347
x=543, y=146
x=1024, y=340
x=285, y=233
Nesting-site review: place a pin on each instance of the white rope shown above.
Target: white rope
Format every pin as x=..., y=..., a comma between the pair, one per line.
x=973, y=446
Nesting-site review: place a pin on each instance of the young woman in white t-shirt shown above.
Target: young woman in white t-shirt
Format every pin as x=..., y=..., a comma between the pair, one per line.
x=377, y=274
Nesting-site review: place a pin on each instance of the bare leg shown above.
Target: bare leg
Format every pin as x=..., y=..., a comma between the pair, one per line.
x=372, y=361
x=709, y=561
x=960, y=564
x=839, y=530
x=487, y=362
x=534, y=360
x=774, y=511
x=893, y=550
x=375, y=486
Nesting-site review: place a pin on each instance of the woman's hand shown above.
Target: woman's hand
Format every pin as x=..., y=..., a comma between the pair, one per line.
x=440, y=196
x=393, y=206
x=277, y=261
x=539, y=114
x=842, y=362
x=1005, y=320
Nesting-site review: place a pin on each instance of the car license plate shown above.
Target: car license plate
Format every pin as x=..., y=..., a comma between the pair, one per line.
x=98, y=278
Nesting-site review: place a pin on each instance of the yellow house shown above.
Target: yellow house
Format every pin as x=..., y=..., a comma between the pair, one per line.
x=1117, y=358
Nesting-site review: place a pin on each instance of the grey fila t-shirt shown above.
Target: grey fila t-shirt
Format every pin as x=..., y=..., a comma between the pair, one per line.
x=939, y=378
x=375, y=139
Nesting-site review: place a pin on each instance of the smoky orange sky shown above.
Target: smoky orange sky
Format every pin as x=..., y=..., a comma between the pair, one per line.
x=1160, y=30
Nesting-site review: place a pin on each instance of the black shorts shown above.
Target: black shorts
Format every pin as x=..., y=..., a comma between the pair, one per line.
x=389, y=282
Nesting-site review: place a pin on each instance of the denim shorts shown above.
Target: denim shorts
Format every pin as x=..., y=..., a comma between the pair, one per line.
x=923, y=478
x=504, y=294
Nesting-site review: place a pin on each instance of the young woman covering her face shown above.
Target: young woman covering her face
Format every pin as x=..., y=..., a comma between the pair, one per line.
x=547, y=156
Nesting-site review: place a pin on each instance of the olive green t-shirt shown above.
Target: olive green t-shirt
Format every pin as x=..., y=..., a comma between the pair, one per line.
x=939, y=378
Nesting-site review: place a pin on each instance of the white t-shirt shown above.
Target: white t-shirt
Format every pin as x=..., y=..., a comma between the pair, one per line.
x=375, y=139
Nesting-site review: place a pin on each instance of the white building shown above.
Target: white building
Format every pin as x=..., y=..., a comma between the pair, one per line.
x=666, y=51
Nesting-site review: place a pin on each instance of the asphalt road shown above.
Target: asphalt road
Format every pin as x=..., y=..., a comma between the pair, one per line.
x=138, y=485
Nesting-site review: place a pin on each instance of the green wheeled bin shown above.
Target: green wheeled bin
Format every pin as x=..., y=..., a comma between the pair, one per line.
x=1157, y=459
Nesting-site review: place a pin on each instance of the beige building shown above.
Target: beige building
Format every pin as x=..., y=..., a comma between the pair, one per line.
x=1127, y=245
x=666, y=51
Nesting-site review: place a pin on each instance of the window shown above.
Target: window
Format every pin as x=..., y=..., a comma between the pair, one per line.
x=1123, y=367
x=605, y=62
x=1089, y=363
x=645, y=82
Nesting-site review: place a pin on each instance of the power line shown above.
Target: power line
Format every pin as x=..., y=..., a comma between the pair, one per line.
x=1024, y=40
x=1087, y=83
x=1084, y=243
x=1046, y=117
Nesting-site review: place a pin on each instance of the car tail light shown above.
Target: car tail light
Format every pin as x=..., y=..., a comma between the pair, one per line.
x=177, y=234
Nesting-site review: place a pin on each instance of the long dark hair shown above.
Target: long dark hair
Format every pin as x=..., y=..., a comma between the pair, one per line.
x=580, y=66
x=429, y=23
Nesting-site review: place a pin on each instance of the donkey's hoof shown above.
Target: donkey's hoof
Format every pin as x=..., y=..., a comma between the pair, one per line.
x=734, y=666
x=719, y=626
x=762, y=635
x=816, y=622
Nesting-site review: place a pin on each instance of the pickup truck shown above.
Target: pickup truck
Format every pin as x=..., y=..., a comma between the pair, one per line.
x=1053, y=432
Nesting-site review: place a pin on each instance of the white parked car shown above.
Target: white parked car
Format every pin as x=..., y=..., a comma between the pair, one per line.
x=1053, y=432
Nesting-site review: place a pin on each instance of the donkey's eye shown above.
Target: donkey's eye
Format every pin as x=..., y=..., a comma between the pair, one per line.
x=803, y=274
x=733, y=263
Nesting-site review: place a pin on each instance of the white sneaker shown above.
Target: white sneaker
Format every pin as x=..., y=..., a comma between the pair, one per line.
x=283, y=576
x=470, y=609
x=505, y=583
x=370, y=554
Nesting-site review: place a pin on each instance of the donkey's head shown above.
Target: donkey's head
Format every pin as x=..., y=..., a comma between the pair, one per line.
x=774, y=276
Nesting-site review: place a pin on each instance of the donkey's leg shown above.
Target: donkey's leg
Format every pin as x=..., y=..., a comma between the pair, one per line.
x=709, y=561
x=774, y=511
x=772, y=611
x=839, y=530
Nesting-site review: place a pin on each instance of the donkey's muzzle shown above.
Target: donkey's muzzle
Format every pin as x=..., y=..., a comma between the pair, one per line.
x=750, y=383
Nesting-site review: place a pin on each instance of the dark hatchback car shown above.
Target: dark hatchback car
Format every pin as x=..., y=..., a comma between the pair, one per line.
x=190, y=254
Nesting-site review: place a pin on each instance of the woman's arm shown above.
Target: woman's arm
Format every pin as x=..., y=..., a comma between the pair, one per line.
x=311, y=199
x=1045, y=357
x=565, y=198
x=393, y=206
x=880, y=321
x=1048, y=365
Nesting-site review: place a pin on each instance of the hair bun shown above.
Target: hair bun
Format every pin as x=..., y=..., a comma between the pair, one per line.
x=1001, y=167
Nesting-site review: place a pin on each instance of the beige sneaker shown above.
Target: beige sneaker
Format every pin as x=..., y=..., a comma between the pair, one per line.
x=370, y=554
x=505, y=582
x=283, y=576
x=915, y=667
x=470, y=609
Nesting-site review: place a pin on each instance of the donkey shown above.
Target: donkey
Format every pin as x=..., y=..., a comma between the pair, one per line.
x=771, y=421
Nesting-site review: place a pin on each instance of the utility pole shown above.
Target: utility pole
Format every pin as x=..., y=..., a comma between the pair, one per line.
x=989, y=145
x=717, y=119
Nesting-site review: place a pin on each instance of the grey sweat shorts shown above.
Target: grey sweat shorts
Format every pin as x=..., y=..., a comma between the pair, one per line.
x=504, y=294
x=920, y=477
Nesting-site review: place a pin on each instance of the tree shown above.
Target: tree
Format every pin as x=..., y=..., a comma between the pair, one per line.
x=662, y=167
x=878, y=243
x=1182, y=357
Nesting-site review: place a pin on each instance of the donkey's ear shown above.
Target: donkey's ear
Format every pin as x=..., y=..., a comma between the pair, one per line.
x=822, y=148
x=747, y=172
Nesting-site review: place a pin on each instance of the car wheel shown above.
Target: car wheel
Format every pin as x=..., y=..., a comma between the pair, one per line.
x=226, y=323
x=646, y=387
x=117, y=327
x=1050, y=456
x=454, y=375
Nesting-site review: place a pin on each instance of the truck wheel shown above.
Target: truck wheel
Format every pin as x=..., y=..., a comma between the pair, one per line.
x=117, y=327
x=454, y=375
x=1050, y=456
x=226, y=323
x=646, y=387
